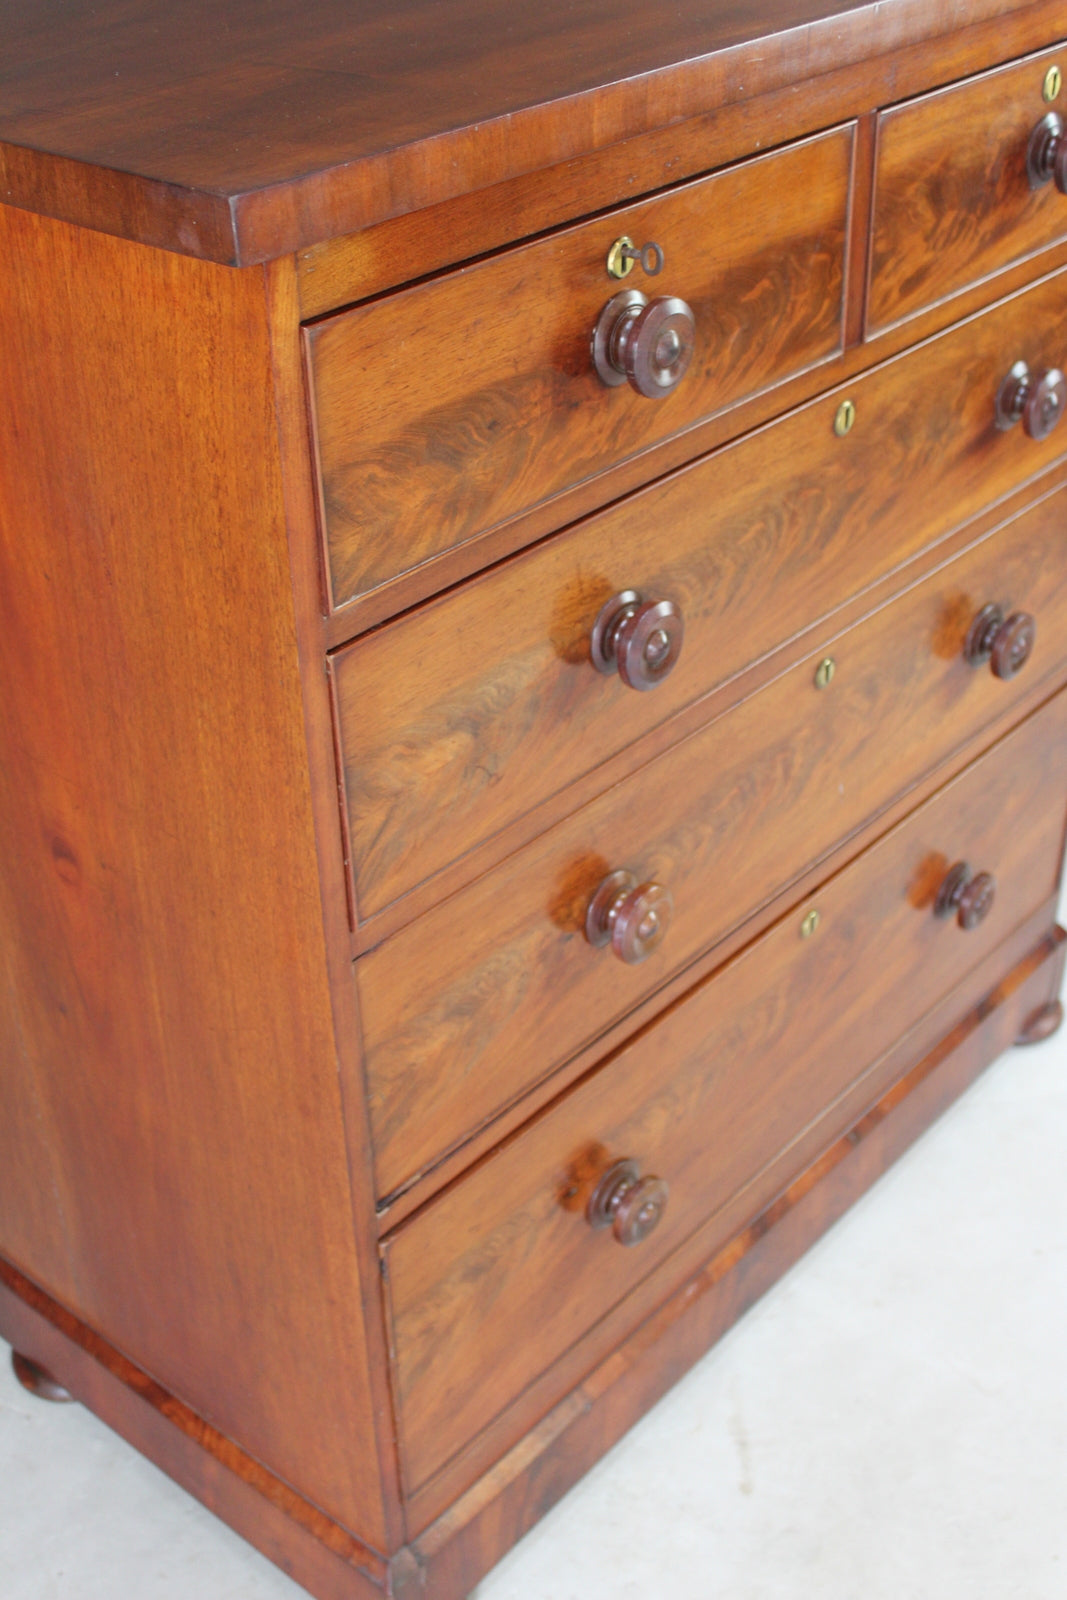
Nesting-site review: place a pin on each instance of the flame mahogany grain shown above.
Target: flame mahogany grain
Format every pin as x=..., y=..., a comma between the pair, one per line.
x=952, y=202
x=758, y=1052
x=445, y=718
x=306, y=1234
x=455, y=1029
x=419, y=455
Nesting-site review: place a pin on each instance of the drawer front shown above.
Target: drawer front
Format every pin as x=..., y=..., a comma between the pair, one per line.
x=709, y=1098
x=478, y=1000
x=953, y=203
x=452, y=406
x=457, y=719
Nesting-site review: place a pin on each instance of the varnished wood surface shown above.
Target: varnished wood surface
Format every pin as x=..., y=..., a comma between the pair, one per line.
x=952, y=203
x=708, y=1098
x=456, y=1547
x=269, y=1513
x=448, y=408
x=611, y=1392
x=206, y=971
x=298, y=499
x=172, y=1160
x=422, y=583
x=478, y=1000
x=446, y=719
x=342, y=270
x=399, y=1205
x=163, y=123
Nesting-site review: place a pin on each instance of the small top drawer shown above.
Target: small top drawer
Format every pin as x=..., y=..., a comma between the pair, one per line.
x=953, y=200
x=458, y=403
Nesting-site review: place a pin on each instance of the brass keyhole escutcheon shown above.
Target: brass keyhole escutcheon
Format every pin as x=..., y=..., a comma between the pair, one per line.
x=844, y=418
x=624, y=256
x=824, y=672
x=1052, y=85
x=809, y=925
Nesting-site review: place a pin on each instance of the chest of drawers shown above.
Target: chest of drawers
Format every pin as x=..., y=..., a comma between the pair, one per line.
x=532, y=555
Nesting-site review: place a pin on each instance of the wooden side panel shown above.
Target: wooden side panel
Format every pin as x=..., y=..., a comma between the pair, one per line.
x=330, y=1563
x=461, y=402
x=952, y=204
x=710, y=1098
x=165, y=1027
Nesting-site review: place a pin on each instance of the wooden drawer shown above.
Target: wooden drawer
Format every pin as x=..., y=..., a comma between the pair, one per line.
x=952, y=202
x=710, y=1098
x=459, y=718
x=475, y=1002
x=456, y=404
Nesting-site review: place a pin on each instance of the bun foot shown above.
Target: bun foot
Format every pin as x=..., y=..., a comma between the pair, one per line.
x=38, y=1380
x=1042, y=1024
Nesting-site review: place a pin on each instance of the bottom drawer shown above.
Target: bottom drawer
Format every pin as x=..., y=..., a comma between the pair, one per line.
x=493, y=1281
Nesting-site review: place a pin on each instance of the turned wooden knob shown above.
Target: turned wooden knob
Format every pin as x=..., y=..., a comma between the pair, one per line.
x=1046, y=154
x=646, y=343
x=1037, y=402
x=631, y=1205
x=1005, y=642
x=632, y=917
x=639, y=639
x=969, y=898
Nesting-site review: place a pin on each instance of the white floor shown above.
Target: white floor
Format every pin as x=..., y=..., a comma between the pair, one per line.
x=890, y=1423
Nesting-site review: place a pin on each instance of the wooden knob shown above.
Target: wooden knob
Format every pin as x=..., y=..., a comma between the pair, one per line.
x=646, y=343
x=631, y=1205
x=633, y=918
x=1046, y=154
x=639, y=639
x=1005, y=642
x=1037, y=402
x=969, y=897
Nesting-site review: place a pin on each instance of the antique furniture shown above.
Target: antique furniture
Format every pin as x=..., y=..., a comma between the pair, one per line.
x=534, y=598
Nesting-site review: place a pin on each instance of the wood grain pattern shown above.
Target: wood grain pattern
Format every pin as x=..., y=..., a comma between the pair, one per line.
x=757, y=1054
x=299, y=501
x=454, y=1549
x=460, y=402
x=485, y=550
x=269, y=1513
x=445, y=718
x=165, y=1029
x=164, y=123
x=189, y=1160
x=342, y=270
x=952, y=203
x=481, y=998
x=612, y=1391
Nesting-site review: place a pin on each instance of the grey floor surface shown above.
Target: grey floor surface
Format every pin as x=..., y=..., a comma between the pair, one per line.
x=889, y=1423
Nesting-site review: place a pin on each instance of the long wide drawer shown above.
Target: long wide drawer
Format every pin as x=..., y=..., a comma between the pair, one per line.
x=953, y=201
x=709, y=1099
x=461, y=717
x=451, y=406
x=469, y=1006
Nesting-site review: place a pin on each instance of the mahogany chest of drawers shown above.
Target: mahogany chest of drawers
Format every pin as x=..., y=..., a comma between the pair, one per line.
x=533, y=556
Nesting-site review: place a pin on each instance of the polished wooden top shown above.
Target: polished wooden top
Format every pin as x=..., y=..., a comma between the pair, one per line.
x=239, y=130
